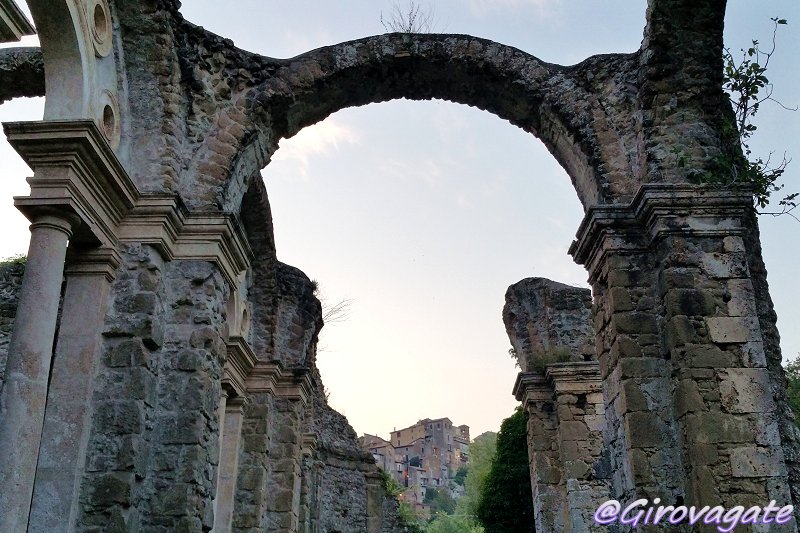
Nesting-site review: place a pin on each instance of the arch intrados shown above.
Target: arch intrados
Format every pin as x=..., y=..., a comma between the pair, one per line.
x=540, y=98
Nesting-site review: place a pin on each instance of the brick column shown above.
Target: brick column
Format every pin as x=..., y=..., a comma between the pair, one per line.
x=691, y=413
x=24, y=395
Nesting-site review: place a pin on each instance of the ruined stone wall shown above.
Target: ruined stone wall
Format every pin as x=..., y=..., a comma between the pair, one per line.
x=548, y=322
x=10, y=282
x=549, y=325
x=152, y=451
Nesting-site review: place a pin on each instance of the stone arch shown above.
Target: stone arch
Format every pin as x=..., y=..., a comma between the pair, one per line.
x=546, y=100
x=81, y=78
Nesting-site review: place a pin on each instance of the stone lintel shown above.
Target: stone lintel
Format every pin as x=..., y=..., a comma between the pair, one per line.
x=575, y=377
x=240, y=362
x=13, y=22
x=164, y=222
x=271, y=377
x=74, y=168
x=658, y=210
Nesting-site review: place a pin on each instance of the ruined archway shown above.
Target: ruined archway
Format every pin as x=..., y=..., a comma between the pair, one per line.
x=159, y=268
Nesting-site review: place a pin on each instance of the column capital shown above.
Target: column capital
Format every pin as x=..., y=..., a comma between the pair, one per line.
x=74, y=169
x=238, y=366
x=572, y=377
x=271, y=377
x=104, y=261
x=532, y=386
x=658, y=210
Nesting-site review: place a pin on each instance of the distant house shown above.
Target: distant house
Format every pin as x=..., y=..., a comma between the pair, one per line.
x=427, y=454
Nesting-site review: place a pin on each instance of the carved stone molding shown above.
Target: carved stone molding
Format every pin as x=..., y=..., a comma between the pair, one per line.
x=13, y=23
x=241, y=361
x=164, y=222
x=292, y=384
x=74, y=168
x=658, y=210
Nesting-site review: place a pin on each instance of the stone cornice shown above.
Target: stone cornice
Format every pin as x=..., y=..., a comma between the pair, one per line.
x=531, y=386
x=13, y=23
x=558, y=378
x=164, y=222
x=74, y=169
x=240, y=362
x=272, y=378
x=658, y=210
x=575, y=377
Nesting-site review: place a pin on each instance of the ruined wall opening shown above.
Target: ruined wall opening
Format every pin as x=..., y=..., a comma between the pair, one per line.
x=424, y=225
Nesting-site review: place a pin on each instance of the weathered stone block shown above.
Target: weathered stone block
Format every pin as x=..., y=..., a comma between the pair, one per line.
x=688, y=398
x=728, y=265
x=733, y=330
x=573, y=430
x=745, y=390
x=691, y=302
x=716, y=427
x=752, y=461
x=646, y=430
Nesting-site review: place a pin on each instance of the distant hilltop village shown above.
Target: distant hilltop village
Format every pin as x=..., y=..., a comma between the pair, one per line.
x=427, y=454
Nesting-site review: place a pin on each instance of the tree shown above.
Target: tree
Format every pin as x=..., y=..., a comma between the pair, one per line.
x=481, y=452
x=793, y=387
x=440, y=500
x=506, y=505
x=443, y=523
x=461, y=475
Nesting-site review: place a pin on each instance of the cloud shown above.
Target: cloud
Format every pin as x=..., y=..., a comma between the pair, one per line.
x=319, y=139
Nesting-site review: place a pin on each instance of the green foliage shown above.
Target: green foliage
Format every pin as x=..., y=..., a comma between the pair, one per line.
x=506, y=505
x=409, y=518
x=481, y=452
x=443, y=523
x=461, y=475
x=390, y=484
x=747, y=87
x=559, y=354
x=14, y=260
x=440, y=500
x=793, y=386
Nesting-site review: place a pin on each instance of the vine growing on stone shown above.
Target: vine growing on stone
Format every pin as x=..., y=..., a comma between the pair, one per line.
x=748, y=87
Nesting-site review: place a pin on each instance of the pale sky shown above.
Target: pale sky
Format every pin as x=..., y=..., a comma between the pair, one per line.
x=424, y=212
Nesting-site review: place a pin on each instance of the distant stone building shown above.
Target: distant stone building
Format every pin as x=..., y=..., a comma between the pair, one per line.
x=427, y=454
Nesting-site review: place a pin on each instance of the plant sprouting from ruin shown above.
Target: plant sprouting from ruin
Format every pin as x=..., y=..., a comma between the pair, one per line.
x=747, y=86
x=411, y=19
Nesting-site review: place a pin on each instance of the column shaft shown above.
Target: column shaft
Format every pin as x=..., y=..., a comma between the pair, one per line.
x=67, y=421
x=24, y=395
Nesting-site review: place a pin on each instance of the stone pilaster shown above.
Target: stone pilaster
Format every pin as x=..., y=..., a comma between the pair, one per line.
x=547, y=472
x=274, y=469
x=691, y=413
x=230, y=449
x=67, y=423
x=578, y=399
